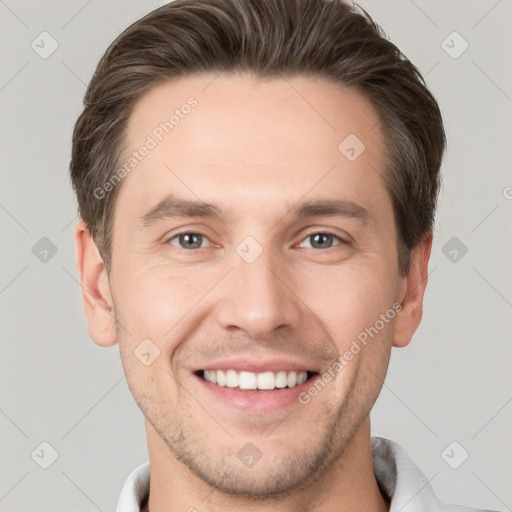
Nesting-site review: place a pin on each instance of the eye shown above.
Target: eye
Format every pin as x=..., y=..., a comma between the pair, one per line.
x=188, y=240
x=322, y=240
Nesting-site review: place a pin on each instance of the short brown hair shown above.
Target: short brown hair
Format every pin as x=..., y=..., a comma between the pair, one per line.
x=268, y=38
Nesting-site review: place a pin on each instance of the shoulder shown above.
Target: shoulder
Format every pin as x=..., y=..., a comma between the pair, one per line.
x=407, y=487
x=133, y=497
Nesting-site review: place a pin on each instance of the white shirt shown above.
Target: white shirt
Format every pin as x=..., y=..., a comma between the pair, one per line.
x=396, y=474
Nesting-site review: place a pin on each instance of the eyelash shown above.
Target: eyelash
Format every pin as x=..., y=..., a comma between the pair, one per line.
x=341, y=241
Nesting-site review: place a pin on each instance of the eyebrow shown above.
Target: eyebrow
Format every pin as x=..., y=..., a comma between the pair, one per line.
x=332, y=208
x=171, y=207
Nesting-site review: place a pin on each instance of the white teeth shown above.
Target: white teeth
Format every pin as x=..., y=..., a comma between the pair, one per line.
x=266, y=380
x=251, y=380
x=221, y=377
x=210, y=376
x=281, y=380
x=247, y=380
x=231, y=379
x=291, y=379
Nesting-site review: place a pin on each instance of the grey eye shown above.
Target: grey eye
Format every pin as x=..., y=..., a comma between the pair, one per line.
x=322, y=240
x=188, y=240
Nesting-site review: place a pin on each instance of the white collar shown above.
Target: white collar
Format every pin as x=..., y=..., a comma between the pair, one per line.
x=396, y=474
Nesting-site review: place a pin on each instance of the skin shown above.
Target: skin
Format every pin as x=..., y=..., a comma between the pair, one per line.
x=257, y=149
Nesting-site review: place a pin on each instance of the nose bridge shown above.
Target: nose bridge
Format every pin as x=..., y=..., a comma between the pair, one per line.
x=255, y=298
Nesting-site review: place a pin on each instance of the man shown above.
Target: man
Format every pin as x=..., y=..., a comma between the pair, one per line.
x=257, y=182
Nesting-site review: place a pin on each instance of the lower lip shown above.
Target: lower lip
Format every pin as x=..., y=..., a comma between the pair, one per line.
x=253, y=400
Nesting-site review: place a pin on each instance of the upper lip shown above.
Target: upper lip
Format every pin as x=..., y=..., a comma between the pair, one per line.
x=250, y=364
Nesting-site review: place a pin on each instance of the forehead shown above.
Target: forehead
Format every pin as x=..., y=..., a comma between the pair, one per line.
x=250, y=143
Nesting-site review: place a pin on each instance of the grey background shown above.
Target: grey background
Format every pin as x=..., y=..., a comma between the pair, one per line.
x=453, y=383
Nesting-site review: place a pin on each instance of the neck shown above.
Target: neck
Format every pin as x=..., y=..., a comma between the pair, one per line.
x=348, y=484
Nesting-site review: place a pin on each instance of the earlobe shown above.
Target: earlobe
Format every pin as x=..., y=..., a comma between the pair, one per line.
x=95, y=286
x=414, y=284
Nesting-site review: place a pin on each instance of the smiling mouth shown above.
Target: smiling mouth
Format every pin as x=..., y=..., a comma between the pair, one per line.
x=264, y=381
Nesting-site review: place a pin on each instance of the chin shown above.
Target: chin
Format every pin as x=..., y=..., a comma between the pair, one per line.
x=253, y=474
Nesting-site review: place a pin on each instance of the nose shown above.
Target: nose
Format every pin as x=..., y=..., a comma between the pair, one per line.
x=257, y=299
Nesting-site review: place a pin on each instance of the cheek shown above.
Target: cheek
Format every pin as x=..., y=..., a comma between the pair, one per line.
x=153, y=301
x=158, y=304
x=152, y=307
x=348, y=300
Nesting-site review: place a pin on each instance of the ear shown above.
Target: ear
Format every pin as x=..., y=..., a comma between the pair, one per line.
x=95, y=285
x=412, y=290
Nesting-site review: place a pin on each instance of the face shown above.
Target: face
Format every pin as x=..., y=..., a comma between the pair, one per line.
x=250, y=252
